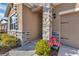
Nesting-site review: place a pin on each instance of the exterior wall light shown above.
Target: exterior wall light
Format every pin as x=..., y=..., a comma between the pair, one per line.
x=54, y=15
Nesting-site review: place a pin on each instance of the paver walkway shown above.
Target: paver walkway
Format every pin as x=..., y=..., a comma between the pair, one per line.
x=68, y=51
x=26, y=50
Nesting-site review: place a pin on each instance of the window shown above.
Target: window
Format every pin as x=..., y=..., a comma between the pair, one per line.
x=13, y=22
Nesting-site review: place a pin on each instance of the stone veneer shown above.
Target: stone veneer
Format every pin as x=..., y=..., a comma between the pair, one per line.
x=47, y=21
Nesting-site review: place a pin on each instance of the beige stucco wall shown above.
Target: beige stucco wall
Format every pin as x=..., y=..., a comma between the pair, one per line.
x=60, y=8
x=28, y=21
x=31, y=22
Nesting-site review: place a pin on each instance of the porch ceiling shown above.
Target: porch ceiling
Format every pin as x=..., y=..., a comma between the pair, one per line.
x=35, y=7
x=38, y=6
x=56, y=4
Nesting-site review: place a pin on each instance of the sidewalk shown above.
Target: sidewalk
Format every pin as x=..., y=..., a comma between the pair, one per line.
x=26, y=50
x=68, y=51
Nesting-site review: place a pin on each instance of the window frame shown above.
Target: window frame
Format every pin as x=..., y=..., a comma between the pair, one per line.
x=13, y=26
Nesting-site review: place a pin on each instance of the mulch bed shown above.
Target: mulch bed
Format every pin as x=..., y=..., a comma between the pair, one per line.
x=4, y=50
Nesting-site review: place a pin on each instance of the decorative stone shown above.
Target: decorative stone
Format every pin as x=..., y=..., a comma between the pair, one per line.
x=47, y=21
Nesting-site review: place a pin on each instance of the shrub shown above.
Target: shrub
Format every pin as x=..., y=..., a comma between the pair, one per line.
x=18, y=44
x=42, y=48
x=9, y=41
x=1, y=45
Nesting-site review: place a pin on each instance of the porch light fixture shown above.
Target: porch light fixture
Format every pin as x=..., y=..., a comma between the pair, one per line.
x=54, y=15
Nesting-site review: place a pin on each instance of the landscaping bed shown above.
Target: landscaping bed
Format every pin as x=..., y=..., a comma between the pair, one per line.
x=8, y=42
x=4, y=50
x=48, y=47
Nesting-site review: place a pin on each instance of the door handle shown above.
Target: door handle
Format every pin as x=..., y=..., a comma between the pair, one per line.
x=64, y=22
x=64, y=38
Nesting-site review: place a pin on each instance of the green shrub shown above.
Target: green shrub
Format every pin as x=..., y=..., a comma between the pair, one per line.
x=42, y=48
x=18, y=44
x=9, y=41
x=1, y=45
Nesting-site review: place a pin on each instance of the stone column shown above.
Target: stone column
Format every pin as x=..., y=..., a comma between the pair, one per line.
x=47, y=21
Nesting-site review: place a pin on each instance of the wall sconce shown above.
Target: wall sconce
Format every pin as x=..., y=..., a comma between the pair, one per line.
x=54, y=15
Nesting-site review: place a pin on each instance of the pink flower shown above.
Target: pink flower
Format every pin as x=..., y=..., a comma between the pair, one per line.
x=53, y=41
x=57, y=44
x=54, y=38
x=50, y=44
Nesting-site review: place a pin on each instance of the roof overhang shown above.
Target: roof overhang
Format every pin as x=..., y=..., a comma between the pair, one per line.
x=7, y=10
x=34, y=6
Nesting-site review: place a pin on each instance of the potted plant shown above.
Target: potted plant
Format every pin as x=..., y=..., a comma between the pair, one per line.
x=54, y=44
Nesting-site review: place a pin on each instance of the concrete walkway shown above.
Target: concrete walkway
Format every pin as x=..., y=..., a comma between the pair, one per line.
x=68, y=51
x=26, y=50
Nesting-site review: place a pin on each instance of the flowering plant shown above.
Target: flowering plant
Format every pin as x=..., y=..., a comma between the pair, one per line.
x=54, y=43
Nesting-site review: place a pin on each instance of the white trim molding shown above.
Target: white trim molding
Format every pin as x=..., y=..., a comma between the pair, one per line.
x=69, y=11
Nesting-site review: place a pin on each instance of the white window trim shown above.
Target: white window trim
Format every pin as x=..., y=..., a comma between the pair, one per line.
x=12, y=14
x=69, y=11
x=9, y=20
